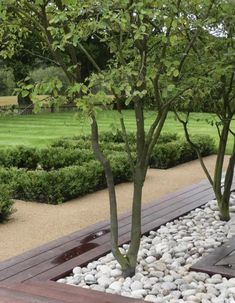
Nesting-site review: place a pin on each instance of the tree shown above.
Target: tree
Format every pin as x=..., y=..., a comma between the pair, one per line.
x=137, y=72
x=216, y=83
x=149, y=44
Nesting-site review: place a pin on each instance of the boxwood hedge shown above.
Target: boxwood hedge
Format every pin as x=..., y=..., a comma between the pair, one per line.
x=68, y=169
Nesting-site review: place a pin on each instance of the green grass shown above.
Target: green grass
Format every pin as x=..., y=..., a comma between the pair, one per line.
x=41, y=129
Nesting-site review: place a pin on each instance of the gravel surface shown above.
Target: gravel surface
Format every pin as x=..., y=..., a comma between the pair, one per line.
x=164, y=258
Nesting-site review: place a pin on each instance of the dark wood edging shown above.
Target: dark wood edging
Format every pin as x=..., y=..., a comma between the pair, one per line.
x=52, y=292
x=220, y=261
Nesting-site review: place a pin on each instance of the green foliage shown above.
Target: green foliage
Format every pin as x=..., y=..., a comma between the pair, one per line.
x=54, y=158
x=46, y=74
x=21, y=157
x=72, y=142
x=6, y=202
x=7, y=82
x=56, y=174
x=63, y=184
x=169, y=154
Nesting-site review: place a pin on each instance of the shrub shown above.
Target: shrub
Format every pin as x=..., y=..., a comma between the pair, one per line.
x=108, y=141
x=166, y=155
x=60, y=185
x=120, y=167
x=54, y=158
x=176, y=152
x=6, y=203
x=20, y=156
x=66, y=183
x=79, y=143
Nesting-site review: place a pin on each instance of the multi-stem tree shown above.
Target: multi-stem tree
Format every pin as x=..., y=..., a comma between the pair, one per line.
x=215, y=58
x=150, y=43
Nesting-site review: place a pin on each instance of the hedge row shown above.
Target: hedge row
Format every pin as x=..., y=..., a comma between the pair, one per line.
x=107, y=138
x=176, y=152
x=6, y=203
x=164, y=155
x=63, y=184
x=57, y=174
x=46, y=159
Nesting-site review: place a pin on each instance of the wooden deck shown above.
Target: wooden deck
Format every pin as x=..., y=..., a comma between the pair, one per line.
x=37, y=268
x=51, y=292
x=220, y=261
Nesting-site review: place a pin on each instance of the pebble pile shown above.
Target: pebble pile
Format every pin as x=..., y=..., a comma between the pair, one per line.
x=165, y=255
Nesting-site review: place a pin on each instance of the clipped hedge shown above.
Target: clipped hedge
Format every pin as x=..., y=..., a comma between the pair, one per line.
x=57, y=186
x=56, y=174
x=20, y=156
x=6, y=202
x=55, y=158
x=176, y=152
x=107, y=139
x=47, y=158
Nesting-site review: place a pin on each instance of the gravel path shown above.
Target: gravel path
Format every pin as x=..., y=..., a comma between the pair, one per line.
x=164, y=258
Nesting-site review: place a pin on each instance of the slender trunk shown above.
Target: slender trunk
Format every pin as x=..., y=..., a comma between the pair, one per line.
x=220, y=158
x=136, y=223
x=222, y=198
x=223, y=204
x=112, y=194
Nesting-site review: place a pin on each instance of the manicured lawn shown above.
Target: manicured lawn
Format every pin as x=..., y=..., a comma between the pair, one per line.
x=41, y=129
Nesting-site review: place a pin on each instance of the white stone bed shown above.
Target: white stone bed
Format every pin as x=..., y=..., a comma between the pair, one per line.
x=165, y=255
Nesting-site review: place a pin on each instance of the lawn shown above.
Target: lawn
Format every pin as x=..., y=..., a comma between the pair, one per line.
x=41, y=129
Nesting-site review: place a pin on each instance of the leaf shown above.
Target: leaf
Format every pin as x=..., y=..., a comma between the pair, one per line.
x=176, y=73
x=170, y=87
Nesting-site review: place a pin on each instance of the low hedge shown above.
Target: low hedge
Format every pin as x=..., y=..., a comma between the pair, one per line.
x=176, y=152
x=6, y=202
x=57, y=186
x=47, y=158
x=56, y=174
x=20, y=156
x=55, y=158
x=108, y=138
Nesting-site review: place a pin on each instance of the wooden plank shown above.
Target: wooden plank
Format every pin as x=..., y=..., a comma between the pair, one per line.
x=211, y=263
x=15, y=296
x=68, y=294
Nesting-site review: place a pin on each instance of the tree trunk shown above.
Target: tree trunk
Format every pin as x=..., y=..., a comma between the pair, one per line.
x=223, y=205
x=132, y=253
x=222, y=198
